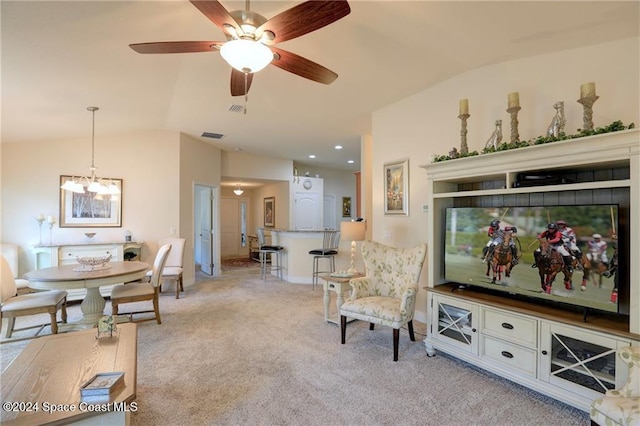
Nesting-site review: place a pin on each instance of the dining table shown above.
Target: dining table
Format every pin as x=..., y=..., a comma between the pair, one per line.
x=66, y=277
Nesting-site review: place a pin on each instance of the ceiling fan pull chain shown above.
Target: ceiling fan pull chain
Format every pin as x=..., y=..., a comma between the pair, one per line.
x=246, y=92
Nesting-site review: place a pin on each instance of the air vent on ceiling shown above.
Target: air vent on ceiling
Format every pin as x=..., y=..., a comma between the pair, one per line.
x=212, y=135
x=236, y=108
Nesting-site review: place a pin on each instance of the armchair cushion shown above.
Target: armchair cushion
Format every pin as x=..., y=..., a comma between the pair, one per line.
x=621, y=406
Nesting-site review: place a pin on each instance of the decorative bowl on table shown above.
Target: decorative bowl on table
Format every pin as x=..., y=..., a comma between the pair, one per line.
x=93, y=263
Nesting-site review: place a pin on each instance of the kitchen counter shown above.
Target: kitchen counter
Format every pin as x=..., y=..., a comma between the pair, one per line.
x=296, y=261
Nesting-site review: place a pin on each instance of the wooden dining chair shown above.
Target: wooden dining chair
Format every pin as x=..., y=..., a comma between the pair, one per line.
x=13, y=305
x=142, y=291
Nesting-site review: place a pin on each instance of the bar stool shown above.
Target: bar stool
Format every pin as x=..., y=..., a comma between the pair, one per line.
x=330, y=243
x=265, y=250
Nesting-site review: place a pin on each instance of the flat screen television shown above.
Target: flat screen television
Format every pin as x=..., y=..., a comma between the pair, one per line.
x=466, y=233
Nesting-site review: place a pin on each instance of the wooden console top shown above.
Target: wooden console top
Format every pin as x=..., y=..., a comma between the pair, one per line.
x=596, y=321
x=48, y=374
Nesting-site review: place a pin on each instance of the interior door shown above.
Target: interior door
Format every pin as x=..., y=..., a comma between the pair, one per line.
x=229, y=227
x=206, y=227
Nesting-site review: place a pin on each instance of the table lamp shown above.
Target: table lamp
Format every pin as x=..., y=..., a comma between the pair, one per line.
x=352, y=231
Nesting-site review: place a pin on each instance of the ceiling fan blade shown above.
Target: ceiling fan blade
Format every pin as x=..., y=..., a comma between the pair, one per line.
x=216, y=13
x=238, y=87
x=303, y=67
x=177, y=46
x=304, y=18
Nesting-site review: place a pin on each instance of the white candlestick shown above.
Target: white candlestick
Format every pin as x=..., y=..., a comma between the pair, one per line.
x=588, y=89
x=464, y=106
x=514, y=100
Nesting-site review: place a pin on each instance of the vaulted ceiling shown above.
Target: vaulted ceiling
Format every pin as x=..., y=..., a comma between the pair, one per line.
x=60, y=57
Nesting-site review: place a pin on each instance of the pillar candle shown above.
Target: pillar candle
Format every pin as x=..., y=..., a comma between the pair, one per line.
x=40, y=217
x=588, y=89
x=50, y=220
x=514, y=100
x=464, y=106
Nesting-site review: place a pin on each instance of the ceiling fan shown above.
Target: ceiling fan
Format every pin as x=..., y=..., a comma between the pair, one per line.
x=251, y=39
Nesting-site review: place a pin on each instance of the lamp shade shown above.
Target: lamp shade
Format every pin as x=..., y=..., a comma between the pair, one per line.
x=69, y=185
x=246, y=55
x=95, y=186
x=352, y=231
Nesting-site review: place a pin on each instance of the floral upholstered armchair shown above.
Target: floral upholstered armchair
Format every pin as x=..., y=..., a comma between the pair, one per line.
x=621, y=406
x=387, y=294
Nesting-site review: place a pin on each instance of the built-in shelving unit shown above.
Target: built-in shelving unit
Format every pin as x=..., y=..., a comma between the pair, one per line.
x=545, y=347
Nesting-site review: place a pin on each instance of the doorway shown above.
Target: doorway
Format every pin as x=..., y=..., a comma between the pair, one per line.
x=233, y=227
x=204, y=250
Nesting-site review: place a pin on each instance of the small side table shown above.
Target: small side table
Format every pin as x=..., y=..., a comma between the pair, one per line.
x=337, y=285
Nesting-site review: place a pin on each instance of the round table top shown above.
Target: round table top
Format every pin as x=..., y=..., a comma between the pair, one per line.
x=66, y=274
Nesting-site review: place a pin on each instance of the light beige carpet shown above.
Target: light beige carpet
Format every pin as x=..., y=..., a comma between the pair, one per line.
x=239, y=351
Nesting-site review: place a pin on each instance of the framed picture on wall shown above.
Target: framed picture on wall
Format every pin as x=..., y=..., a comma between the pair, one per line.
x=396, y=186
x=89, y=209
x=346, y=206
x=270, y=211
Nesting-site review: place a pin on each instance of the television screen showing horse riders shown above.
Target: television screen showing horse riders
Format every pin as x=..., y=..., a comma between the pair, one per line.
x=564, y=254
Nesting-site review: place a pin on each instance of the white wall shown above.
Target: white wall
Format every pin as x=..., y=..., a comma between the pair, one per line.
x=339, y=183
x=199, y=164
x=159, y=170
x=426, y=124
x=146, y=161
x=241, y=165
x=278, y=190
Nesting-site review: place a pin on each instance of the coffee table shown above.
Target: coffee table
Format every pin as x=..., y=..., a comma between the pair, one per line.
x=48, y=374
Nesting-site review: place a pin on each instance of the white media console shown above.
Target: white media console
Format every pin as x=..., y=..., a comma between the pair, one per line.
x=544, y=347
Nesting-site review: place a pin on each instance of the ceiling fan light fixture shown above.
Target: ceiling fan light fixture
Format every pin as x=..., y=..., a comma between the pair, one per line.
x=247, y=29
x=230, y=29
x=267, y=37
x=246, y=55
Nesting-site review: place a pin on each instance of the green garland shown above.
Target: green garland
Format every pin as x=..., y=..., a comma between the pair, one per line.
x=616, y=126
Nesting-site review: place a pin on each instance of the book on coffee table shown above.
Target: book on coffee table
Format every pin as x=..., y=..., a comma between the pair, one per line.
x=103, y=384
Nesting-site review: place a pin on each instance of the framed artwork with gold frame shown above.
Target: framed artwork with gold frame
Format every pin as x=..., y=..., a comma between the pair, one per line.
x=90, y=210
x=346, y=206
x=270, y=212
x=396, y=187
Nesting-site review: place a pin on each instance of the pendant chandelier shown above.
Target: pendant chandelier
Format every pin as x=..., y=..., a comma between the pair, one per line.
x=238, y=190
x=92, y=183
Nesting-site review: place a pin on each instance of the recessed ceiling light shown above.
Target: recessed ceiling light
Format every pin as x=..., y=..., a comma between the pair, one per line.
x=312, y=156
x=338, y=146
x=237, y=149
x=350, y=161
